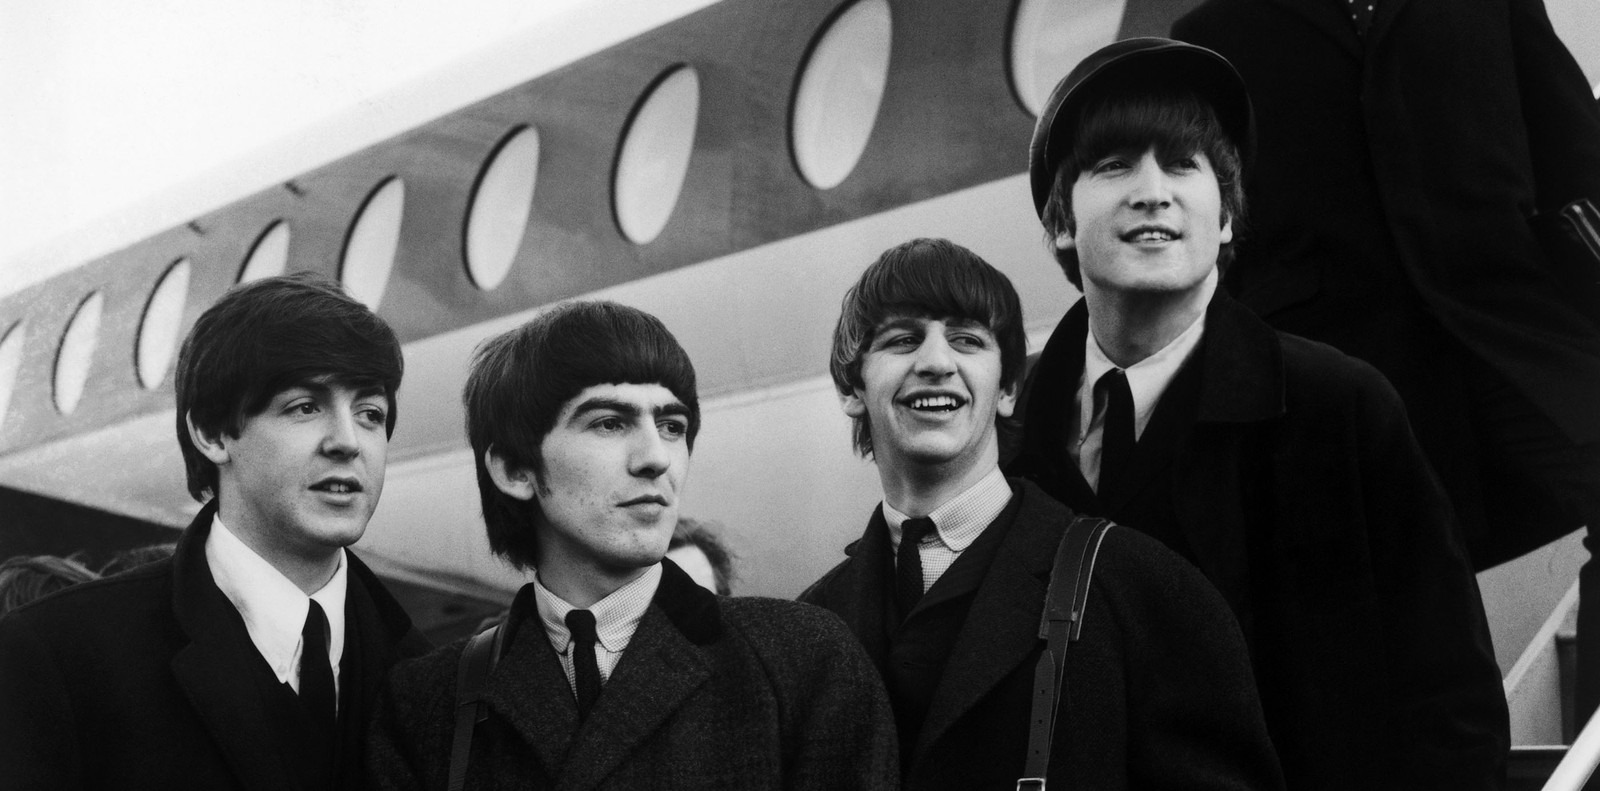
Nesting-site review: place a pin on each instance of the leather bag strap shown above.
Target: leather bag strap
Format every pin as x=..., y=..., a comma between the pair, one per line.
x=472, y=675
x=1059, y=626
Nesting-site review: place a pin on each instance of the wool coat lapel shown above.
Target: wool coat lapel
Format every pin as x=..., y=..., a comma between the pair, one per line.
x=865, y=587
x=217, y=668
x=659, y=670
x=1001, y=629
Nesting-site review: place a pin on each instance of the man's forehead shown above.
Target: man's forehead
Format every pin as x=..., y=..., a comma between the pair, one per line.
x=322, y=383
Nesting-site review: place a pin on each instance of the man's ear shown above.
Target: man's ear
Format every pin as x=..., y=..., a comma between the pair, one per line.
x=1227, y=231
x=853, y=405
x=1007, y=402
x=517, y=482
x=1065, y=242
x=209, y=446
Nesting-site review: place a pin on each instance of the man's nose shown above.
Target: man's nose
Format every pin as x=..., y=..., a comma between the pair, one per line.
x=649, y=455
x=1151, y=187
x=934, y=356
x=339, y=436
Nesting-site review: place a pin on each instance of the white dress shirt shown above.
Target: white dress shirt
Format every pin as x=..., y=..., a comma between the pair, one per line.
x=1147, y=380
x=616, y=618
x=956, y=524
x=274, y=608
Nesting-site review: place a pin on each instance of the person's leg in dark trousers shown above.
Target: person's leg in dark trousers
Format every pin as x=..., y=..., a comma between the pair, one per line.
x=1541, y=486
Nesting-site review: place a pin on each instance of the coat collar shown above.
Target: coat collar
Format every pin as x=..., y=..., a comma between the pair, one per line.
x=1241, y=370
x=663, y=665
x=216, y=668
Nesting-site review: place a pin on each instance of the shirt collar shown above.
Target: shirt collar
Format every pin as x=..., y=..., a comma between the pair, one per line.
x=616, y=617
x=1147, y=379
x=274, y=608
x=961, y=519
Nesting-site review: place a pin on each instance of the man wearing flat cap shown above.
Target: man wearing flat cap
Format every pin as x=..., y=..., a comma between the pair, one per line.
x=1286, y=471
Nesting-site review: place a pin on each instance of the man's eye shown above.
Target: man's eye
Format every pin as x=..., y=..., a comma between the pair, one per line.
x=1186, y=163
x=1110, y=165
x=674, y=428
x=373, y=415
x=303, y=408
x=609, y=424
x=968, y=341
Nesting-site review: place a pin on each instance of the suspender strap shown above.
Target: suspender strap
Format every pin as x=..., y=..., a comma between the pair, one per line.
x=1059, y=626
x=472, y=675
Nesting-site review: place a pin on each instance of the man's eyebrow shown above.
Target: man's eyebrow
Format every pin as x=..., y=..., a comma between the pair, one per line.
x=674, y=409
x=604, y=404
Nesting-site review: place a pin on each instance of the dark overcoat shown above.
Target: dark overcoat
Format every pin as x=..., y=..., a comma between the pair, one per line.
x=1390, y=204
x=711, y=693
x=1286, y=471
x=149, y=680
x=1158, y=693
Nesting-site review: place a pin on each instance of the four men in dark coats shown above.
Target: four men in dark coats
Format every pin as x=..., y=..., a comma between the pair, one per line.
x=1283, y=469
x=616, y=670
x=1407, y=163
x=252, y=658
x=928, y=358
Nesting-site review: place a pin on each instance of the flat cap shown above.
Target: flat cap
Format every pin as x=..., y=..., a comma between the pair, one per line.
x=1133, y=63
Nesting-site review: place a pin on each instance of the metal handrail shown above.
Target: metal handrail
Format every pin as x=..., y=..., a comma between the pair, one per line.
x=1580, y=761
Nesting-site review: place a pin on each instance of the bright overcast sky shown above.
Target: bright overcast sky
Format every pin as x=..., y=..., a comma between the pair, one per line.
x=110, y=104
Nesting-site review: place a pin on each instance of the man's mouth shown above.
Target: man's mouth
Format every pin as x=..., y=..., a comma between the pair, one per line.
x=936, y=403
x=649, y=499
x=337, y=485
x=1151, y=233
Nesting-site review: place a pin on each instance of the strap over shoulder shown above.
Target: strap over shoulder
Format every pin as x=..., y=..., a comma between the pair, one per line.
x=1060, y=625
x=478, y=659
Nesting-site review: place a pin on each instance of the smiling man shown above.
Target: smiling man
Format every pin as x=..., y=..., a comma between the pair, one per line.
x=1284, y=470
x=615, y=670
x=946, y=587
x=251, y=659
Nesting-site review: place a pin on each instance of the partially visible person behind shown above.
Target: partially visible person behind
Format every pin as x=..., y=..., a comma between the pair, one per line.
x=614, y=669
x=698, y=549
x=128, y=559
x=1282, y=469
x=27, y=577
x=252, y=657
x=1413, y=157
x=946, y=587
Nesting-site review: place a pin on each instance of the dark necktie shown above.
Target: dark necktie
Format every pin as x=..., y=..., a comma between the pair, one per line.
x=316, y=675
x=1361, y=13
x=585, y=668
x=1116, y=437
x=908, y=564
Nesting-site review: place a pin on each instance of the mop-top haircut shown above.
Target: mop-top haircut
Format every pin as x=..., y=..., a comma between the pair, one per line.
x=926, y=278
x=520, y=380
x=264, y=337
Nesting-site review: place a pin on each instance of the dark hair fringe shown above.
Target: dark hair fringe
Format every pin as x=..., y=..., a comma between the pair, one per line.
x=927, y=278
x=520, y=380
x=266, y=336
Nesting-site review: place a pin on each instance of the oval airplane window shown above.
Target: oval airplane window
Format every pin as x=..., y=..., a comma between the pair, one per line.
x=374, y=238
x=500, y=208
x=1049, y=37
x=76, y=354
x=270, y=254
x=654, y=159
x=841, y=87
x=10, y=363
x=158, y=330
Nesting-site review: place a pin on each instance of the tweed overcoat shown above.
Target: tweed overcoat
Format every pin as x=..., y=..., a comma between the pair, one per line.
x=1296, y=487
x=1158, y=693
x=1390, y=212
x=711, y=693
x=148, y=680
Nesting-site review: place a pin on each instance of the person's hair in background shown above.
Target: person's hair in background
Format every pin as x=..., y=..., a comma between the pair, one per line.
x=136, y=557
x=692, y=539
x=28, y=577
